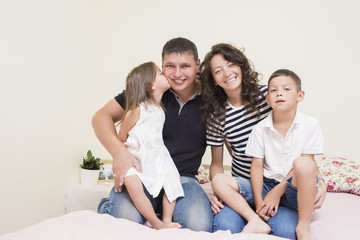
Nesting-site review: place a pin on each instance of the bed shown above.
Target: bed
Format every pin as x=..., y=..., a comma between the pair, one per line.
x=337, y=219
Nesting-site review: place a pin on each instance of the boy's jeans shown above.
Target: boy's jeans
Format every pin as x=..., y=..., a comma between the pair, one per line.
x=282, y=225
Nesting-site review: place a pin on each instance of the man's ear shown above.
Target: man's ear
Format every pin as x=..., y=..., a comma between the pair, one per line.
x=301, y=96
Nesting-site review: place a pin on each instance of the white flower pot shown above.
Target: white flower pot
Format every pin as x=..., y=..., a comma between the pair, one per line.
x=89, y=177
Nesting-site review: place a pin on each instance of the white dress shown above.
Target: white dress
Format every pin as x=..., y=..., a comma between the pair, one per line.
x=145, y=142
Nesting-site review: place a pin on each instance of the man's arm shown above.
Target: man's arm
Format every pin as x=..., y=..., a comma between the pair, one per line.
x=103, y=123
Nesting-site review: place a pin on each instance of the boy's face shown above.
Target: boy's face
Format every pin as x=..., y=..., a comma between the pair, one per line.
x=283, y=95
x=180, y=69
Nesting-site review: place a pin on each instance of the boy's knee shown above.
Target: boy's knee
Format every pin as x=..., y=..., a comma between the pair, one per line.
x=304, y=165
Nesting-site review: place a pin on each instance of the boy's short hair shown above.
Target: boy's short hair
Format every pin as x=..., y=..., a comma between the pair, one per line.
x=180, y=45
x=288, y=73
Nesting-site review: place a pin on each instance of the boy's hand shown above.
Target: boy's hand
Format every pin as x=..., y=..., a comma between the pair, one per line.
x=270, y=205
x=216, y=204
x=320, y=196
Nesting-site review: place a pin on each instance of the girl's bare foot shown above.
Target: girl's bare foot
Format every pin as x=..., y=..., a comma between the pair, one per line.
x=163, y=225
x=256, y=225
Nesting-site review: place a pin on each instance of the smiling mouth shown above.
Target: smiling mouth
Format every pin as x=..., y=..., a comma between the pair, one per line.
x=231, y=79
x=179, y=80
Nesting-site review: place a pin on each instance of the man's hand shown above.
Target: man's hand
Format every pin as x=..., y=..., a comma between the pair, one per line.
x=121, y=166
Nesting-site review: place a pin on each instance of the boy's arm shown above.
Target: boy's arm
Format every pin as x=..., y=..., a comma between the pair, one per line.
x=320, y=195
x=103, y=123
x=256, y=177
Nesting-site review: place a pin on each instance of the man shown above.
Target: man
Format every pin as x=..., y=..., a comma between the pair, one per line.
x=183, y=134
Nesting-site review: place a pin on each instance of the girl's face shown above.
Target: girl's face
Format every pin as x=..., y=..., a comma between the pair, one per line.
x=283, y=94
x=160, y=83
x=226, y=74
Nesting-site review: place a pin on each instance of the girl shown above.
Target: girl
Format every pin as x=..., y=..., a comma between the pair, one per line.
x=141, y=132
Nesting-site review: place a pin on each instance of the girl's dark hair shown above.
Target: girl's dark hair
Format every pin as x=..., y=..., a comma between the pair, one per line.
x=214, y=97
x=139, y=85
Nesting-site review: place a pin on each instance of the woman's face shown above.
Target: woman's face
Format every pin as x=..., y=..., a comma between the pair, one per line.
x=226, y=74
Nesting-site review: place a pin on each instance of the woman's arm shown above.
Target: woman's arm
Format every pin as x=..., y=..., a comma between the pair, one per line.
x=103, y=123
x=216, y=165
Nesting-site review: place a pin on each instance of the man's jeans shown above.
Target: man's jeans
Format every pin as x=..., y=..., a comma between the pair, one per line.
x=192, y=211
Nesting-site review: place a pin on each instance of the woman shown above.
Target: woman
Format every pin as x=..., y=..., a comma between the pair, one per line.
x=233, y=104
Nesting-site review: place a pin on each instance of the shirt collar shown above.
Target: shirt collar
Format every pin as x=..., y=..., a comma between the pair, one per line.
x=269, y=120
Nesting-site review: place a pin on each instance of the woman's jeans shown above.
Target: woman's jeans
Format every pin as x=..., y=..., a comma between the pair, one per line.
x=192, y=211
x=283, y=224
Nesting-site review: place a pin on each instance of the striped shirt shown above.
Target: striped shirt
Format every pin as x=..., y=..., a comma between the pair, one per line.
x=235, y=130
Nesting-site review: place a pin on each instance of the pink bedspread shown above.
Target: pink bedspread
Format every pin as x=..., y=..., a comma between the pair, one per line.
x=88, y=225
x=338, y=219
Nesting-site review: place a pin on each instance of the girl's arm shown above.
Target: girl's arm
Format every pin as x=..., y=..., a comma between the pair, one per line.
x=131, y=117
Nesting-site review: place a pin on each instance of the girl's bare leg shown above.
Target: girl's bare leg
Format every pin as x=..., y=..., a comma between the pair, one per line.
x=227, y=189
x=168, y=210
x=304, y=180
x=142, y=203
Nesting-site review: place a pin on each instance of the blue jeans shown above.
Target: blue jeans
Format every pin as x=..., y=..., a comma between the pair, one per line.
x=192, y=211
x=282, y=225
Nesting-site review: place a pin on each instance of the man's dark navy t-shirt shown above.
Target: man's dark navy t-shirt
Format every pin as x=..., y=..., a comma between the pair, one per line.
x=184, y=133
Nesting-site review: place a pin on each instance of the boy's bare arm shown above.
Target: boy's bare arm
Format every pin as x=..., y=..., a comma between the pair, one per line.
x=256, y=177
x=320, y=196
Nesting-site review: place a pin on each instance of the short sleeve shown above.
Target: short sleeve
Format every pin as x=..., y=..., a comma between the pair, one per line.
x=314, y=145
x=215, y=134
x=120, y=98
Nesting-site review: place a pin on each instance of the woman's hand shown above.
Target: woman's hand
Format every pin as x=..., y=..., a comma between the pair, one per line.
x=216, y=204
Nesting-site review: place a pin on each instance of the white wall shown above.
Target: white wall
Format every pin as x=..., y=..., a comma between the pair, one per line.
x=50, y=52
x=62, y=60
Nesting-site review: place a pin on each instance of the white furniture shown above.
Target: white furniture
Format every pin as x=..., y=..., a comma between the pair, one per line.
x=82, y=197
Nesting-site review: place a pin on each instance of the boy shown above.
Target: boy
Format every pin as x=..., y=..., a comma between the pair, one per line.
x=283, y=146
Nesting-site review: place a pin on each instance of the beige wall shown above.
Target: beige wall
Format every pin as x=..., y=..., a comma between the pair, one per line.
x=62, y=60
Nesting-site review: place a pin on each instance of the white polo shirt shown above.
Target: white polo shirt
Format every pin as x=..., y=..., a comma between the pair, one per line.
x=279, y=153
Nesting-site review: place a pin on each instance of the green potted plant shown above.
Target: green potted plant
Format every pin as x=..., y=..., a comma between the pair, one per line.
x=90, y=169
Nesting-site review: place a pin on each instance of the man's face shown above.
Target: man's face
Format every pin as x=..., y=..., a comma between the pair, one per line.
x=180, y=69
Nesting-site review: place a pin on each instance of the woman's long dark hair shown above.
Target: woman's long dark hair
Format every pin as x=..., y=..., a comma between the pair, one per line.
x=214, y=97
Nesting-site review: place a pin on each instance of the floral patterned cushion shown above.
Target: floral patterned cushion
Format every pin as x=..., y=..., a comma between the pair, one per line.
x=340, y=174
x=203, y=174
